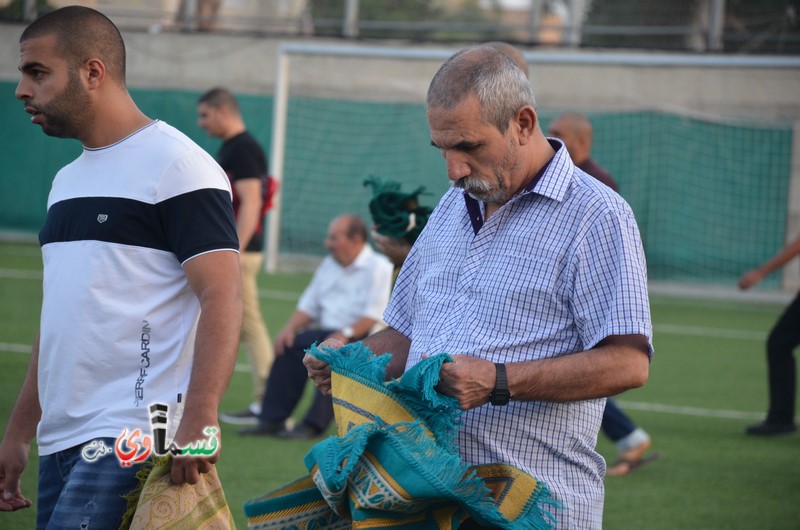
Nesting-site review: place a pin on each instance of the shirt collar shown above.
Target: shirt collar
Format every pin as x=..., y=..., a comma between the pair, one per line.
x=556, y=179
x=551, y=181
x=363, y=258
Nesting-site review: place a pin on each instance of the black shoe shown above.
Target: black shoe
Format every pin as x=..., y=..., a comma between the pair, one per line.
x=301, y=432
x=771, y=429
x=264, y=429
x=243, y=417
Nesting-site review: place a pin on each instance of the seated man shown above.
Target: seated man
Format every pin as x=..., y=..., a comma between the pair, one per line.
x=344, y=301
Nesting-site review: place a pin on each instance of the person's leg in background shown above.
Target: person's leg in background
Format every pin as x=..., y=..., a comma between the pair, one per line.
x=316, y=420
x=782, y=370
x=285, y=385
x=630, y=441
x=255, y=339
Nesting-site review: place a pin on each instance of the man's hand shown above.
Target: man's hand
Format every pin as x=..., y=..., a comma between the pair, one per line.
x=395, y=249
x=13, y=459
x=193, y=433
x=319, y=371
x=284, y=340
x=469, y=379
x=750, y=278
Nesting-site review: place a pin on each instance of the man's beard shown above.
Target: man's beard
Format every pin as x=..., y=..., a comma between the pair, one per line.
x=481, y=190
x=65, y=115
x=494, y=190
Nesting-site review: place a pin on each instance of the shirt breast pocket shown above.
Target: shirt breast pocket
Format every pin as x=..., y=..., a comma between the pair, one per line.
x=436, y=297
x=521, y=297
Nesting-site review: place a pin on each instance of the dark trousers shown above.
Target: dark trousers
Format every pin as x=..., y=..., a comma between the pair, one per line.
x=286, y=382
x=616, y=424
x=782, y=341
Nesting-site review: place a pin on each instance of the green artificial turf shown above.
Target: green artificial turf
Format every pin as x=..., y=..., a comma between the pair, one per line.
x=707, y=382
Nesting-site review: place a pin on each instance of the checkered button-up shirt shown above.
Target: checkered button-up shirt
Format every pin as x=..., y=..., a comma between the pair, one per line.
x=553, y=272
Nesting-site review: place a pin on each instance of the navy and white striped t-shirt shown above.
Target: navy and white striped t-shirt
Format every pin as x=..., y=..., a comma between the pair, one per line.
x=118, y=316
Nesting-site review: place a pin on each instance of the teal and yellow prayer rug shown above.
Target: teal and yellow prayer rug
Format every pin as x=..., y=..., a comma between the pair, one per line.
x=395, y=462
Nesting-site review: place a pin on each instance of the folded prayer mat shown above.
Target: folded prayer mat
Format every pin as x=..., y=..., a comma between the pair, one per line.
x=162, y=504
x=395, y=462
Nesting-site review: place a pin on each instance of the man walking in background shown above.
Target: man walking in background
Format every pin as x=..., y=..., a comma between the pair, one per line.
x=781, y=343
x=244, y=161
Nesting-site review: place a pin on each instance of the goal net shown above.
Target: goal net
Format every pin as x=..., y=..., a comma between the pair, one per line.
x=710, y=195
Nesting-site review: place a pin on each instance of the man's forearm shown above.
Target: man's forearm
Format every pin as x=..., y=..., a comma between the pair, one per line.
x=616, y=365
x=216, y=349
x=298, y=321
x=27, y=410
x=216, y=282
x=391, y=341
x=360, y=328
x=782, y=258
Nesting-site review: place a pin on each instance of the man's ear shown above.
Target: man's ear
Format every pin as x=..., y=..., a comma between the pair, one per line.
x=95, y=73
x=526, y=121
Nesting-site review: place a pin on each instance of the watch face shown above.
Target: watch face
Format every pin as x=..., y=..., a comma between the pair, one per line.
x=500, y=398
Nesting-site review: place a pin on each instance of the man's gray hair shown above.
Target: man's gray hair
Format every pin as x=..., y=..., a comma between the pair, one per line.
x=499, y=84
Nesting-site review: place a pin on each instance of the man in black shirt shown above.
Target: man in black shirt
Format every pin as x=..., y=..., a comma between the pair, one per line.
x=244, y=161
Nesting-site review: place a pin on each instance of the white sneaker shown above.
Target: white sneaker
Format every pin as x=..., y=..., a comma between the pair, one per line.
x=243, y=417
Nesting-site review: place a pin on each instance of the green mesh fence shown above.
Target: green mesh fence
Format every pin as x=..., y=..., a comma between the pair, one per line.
x=710, y=197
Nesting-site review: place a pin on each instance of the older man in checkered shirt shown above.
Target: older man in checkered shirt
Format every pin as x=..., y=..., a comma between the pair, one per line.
x=531, y=274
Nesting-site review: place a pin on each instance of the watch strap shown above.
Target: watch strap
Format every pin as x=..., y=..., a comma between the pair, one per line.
x=500, y=395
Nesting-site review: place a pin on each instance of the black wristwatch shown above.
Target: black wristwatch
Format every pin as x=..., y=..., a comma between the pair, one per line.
x=500, y=395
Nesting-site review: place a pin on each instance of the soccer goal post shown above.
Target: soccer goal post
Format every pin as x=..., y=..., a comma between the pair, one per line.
x=713, y=195
x=335, y=99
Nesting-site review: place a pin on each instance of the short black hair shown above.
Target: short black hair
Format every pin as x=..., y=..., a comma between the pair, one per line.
x=219, y=97
x=82, y=33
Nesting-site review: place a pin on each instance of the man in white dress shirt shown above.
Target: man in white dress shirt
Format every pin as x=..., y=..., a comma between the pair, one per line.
x=344, y=301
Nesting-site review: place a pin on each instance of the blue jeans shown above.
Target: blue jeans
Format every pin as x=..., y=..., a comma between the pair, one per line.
x=76, y=494
x=616, y=424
